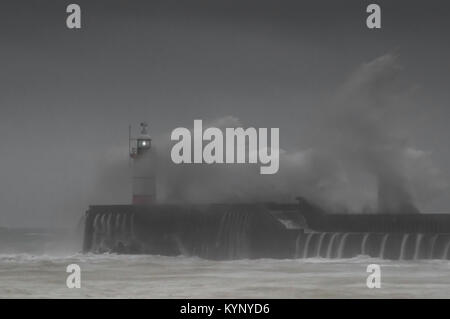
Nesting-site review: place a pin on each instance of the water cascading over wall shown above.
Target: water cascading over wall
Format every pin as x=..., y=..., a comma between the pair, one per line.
x=111, y=231
x=395, y=246
x=403, y=236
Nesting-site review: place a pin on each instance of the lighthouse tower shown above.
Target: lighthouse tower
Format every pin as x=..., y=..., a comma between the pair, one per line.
x=144, y=161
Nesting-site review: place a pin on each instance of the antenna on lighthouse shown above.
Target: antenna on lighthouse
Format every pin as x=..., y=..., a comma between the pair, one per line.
x=129, y=145
x=144, y=128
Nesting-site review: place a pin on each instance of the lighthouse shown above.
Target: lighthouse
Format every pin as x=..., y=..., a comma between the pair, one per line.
x=143, y=164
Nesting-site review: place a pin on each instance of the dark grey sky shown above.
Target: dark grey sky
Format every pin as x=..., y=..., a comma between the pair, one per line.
x=66, y=97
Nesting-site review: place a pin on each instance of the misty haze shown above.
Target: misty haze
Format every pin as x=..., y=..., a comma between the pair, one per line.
x=363, y=132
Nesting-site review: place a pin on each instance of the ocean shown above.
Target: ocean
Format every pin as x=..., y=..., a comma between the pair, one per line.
x=33, y=265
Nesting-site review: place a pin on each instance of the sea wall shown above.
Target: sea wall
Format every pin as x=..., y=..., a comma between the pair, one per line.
x=216, y=231
x=237, y=231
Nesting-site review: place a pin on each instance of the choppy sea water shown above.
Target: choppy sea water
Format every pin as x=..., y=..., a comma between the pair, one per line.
x=37, y=269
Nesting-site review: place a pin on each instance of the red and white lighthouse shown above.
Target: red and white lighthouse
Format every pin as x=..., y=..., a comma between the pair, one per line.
x=144, y=161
